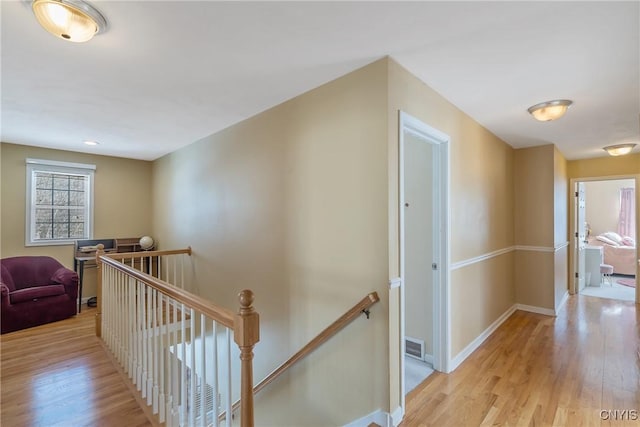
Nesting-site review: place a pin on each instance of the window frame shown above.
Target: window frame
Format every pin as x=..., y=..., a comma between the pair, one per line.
x=34, y=166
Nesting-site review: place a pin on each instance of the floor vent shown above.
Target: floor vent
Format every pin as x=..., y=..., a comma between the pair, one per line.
x=414, y=347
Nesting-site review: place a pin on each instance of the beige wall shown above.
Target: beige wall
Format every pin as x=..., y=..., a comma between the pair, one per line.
x=541, y=233
x=604, y=166
x=560, y=201
x=560, y=227
x=603, y=204
x=307, y=194
x=535, y=274
x=560, y=275
x=122, y=201
x=480, y=294
x=534, y=181
x=481, y=205
x=292, y=204
x=534, y=196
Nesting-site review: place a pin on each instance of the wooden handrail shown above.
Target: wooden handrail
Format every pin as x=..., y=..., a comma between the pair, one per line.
x=316, y=342
x=245, y=325
x=323, y=336
x=217, y=313
x=145, y=254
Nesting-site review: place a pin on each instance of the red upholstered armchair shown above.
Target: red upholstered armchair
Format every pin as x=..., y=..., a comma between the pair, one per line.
x=36, y=290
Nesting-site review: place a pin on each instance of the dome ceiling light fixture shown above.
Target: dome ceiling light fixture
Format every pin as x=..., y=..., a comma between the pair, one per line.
x=619, y=149
x=72, y=20
x=550, y=110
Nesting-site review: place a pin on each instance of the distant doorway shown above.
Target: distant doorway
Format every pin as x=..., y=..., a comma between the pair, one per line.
x=605, y=248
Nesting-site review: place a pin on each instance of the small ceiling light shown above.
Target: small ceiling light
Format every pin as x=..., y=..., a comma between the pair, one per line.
x=619, y=150
x=550, y=110
x=73, y=20
x=91, y=142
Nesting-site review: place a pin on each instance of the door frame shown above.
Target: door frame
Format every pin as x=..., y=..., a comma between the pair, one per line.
x=577, y=247
x=574, y=228
x=441, y=290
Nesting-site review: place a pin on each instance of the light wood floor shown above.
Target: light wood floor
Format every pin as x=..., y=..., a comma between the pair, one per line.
x=59, y=375
x=538, y=370
x=533, y=371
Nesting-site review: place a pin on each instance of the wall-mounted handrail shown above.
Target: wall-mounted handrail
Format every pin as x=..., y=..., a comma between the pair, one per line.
x=322, y=337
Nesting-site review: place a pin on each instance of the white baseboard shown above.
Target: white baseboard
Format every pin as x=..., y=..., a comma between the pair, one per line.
x=429, y=358
x=534, y=309
x=396, y=417
x=563, y=301
x=473, y=345
x=379, y=417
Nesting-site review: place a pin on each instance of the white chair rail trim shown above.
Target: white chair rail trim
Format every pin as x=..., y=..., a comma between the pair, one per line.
x=549, y=249
x=464, y=263
x=535, y=248
x=561, y=246
x=480, y=258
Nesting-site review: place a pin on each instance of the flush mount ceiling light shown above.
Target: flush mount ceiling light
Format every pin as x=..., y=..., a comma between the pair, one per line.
x=550, y=110
x=91, y=143
x=619, y=150
x=73, y=20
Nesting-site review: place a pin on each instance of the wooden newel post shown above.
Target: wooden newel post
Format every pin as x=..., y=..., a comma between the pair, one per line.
x=246, y=334
x=99, y=251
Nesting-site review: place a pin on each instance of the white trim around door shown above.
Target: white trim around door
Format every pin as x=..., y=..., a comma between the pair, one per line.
x=442, y=274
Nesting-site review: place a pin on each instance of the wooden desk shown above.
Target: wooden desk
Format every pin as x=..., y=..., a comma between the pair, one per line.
x=83, y=256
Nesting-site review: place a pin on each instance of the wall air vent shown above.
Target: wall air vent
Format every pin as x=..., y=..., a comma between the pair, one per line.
x=414, y=347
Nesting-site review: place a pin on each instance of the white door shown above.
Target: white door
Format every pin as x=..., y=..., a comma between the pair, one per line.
x=580, y=238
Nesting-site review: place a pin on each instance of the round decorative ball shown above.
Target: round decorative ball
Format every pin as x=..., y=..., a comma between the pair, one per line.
x=146, y=243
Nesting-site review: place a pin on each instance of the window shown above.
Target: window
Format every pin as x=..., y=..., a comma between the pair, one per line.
x=59, y=202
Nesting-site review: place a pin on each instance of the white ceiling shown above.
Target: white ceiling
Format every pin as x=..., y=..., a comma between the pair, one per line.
x=168, y=73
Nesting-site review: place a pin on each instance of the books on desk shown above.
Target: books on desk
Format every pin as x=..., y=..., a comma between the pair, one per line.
x=93, y=249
